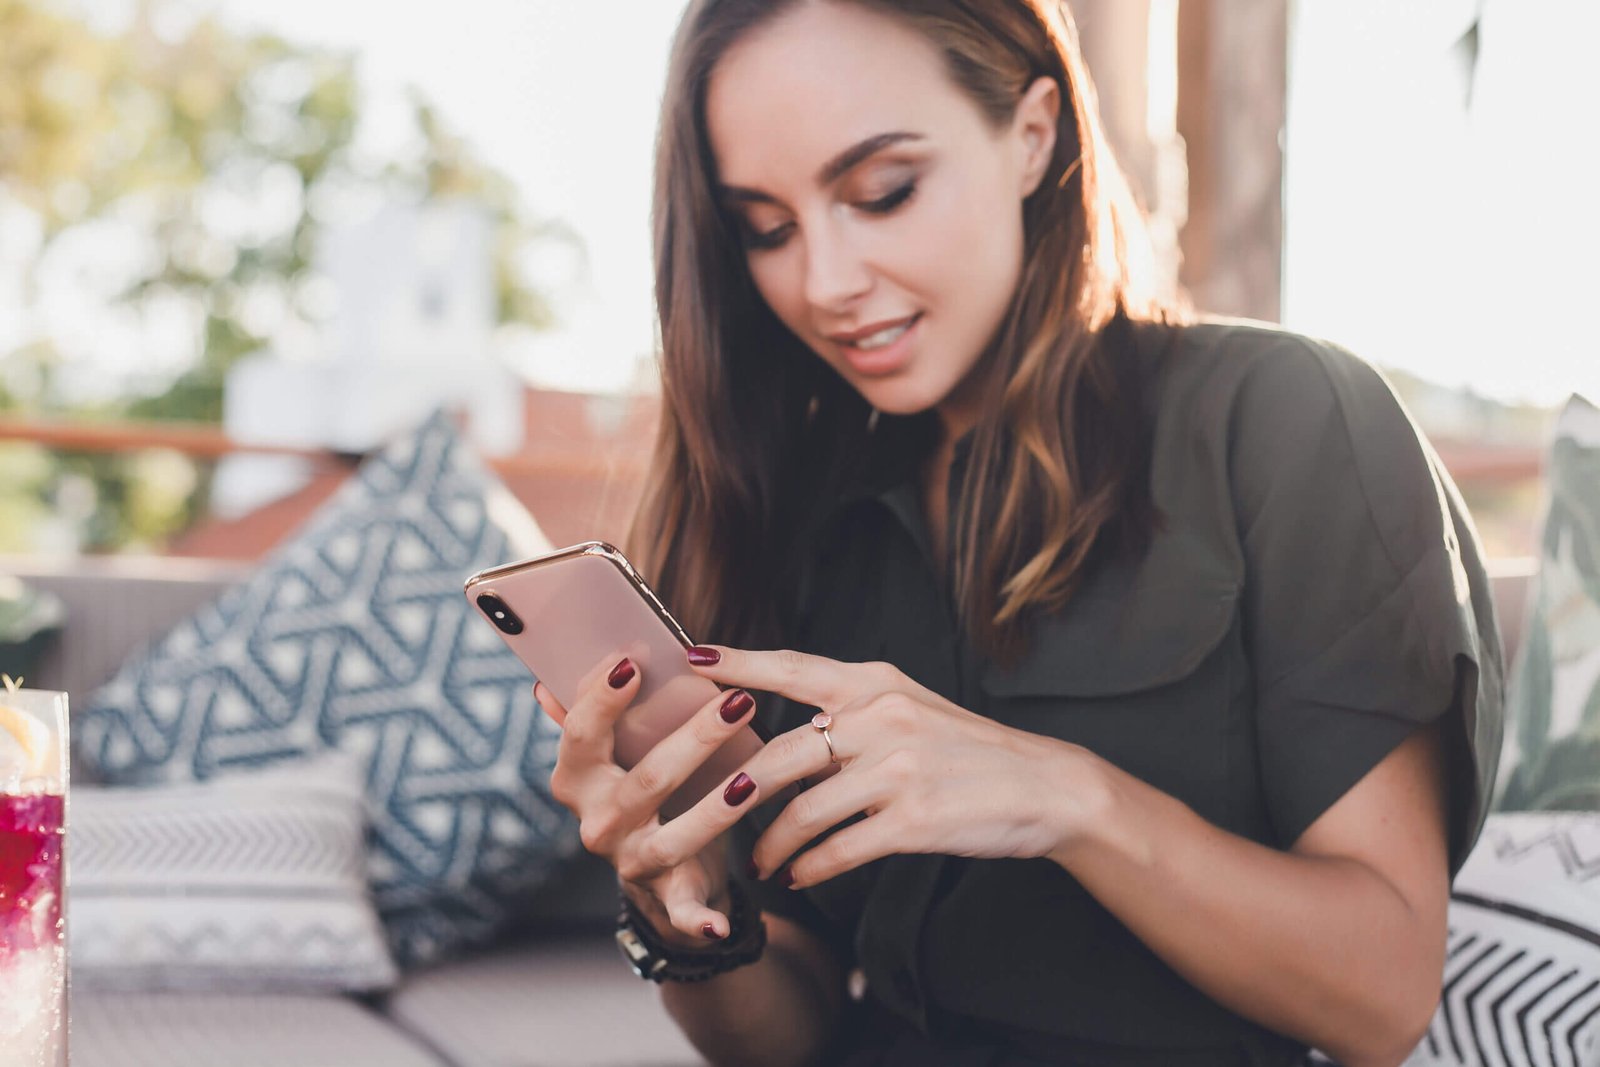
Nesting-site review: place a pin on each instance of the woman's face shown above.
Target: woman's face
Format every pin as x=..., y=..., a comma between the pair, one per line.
x=881, y=210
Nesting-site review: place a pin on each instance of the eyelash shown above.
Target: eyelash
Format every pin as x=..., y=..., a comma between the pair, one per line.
x=884, y=205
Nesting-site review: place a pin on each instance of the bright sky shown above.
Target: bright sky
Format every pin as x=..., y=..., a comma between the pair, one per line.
x=1457, y=244
x=560, y=95
x=1457, y=240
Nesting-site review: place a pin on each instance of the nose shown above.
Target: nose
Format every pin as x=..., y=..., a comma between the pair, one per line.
x=836, y=274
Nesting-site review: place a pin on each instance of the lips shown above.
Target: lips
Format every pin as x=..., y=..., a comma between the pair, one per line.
x=882, y=349
x=875, y=335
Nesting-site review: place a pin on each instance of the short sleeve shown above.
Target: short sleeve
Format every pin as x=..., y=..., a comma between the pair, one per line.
x=1367, y=611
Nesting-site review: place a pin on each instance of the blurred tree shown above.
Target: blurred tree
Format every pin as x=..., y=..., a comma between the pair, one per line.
x=210, y=160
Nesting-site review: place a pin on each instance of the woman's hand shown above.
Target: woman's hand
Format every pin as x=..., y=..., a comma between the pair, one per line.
x=678, y=879
x=931, y=777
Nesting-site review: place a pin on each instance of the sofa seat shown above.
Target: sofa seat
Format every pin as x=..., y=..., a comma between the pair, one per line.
x=557, y=1002
x=212, y=1029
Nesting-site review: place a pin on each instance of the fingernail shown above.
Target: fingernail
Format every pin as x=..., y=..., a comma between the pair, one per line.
x=621, y=674
x=736, y=705
x=710, y=932
x=753, y=871
x=739, y=790
x=704, y=657
x=786, y=877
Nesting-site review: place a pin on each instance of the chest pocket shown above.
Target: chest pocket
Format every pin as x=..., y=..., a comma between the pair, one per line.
x=1144, y=667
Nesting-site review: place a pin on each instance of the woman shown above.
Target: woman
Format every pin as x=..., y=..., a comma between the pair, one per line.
x=1158, y=684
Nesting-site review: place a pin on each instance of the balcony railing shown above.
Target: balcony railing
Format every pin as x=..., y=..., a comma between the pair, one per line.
x=581, y=486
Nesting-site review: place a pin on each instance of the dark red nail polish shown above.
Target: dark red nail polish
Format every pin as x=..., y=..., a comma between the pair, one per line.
x=710, y=932
x=737, y=704
x=787, y=878
x=621, y=674
x=753, y=871
x=704, y=657
x=739, y=790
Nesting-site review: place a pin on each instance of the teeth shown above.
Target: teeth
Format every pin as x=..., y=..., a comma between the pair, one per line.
x=882, y=338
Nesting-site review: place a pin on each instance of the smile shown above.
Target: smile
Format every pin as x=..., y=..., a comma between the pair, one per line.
x=883, y=338
x=884, y=350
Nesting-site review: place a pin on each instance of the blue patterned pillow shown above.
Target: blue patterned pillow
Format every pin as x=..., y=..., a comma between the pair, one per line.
x=355, y=637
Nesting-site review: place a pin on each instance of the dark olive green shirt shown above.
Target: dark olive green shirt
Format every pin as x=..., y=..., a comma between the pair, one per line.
x=1313, y=593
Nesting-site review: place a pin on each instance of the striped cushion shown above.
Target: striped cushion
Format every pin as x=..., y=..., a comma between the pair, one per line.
x=252, y=882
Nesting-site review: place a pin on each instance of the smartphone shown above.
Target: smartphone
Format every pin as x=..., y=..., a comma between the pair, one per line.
x=569, y=612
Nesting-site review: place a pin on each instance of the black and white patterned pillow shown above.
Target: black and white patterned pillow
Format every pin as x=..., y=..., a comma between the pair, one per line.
x=355, y=636
x=249, y=883
x=1522, y=978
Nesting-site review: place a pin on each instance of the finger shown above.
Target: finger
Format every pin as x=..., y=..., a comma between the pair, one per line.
x=547, y=701
x=813, y=813
x=787, y=758
x=690, y=914
x=676, y=757
x=715, y=813
x=814, y=680
x=872, y=838
x=588, y=732
x=676, y=902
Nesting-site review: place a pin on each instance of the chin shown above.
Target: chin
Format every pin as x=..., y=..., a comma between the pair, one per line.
x=903, y=398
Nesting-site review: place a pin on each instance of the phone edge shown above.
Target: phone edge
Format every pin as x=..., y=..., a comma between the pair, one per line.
x=600, y=549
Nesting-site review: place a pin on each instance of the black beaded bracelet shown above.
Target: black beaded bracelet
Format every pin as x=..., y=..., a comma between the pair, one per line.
x=652, y=959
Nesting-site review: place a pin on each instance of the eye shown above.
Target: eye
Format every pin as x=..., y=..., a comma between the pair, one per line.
x=763, y=240
x=885, y=204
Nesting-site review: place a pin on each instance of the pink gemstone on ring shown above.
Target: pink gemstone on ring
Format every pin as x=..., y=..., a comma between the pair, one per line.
x=822, y=720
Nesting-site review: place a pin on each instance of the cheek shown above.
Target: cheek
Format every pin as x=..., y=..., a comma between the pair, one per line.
x=971, y=259
x=779, y=282
x=965, y=235
x=985, y=224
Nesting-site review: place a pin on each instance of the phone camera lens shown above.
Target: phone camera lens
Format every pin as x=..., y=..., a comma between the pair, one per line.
x=499, y=614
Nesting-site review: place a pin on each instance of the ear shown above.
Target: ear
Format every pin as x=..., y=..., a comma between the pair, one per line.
x=1034, y=129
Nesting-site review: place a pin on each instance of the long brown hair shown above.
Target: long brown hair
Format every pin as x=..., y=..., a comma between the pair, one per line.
x=756, y=429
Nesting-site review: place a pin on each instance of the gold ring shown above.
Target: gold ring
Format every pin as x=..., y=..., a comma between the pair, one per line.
x=820, y=722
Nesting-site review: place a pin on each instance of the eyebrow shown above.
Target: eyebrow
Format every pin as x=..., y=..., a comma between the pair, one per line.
x=834, y=169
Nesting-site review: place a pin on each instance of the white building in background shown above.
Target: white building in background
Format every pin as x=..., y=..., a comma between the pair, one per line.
x=412, y=332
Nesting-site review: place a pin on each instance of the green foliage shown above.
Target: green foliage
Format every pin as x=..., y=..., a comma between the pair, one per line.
x=1554, y=698
x=229, y=154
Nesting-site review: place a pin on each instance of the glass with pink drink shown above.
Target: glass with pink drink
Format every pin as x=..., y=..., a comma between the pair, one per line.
x=33, y=818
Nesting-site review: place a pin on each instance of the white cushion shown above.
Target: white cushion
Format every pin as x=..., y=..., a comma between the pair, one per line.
x=1522, y=979
x=221, y=1030
x=555, y=1003
x=254, y=882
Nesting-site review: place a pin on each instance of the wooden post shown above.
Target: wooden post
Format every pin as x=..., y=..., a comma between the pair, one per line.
x=1232, y=81
x=1115, y=37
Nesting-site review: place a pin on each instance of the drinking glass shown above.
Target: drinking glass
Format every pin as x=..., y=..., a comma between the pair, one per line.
x=33, y=818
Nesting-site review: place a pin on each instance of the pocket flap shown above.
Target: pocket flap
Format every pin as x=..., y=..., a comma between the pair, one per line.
x=1133, y=625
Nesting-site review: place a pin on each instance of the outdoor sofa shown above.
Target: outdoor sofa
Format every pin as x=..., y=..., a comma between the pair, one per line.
x=556, y=995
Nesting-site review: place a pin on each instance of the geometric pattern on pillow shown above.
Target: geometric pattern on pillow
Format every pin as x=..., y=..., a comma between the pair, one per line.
x=250, y=883
x=355, y=636
x=1522, y=975
x=1552, y=753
